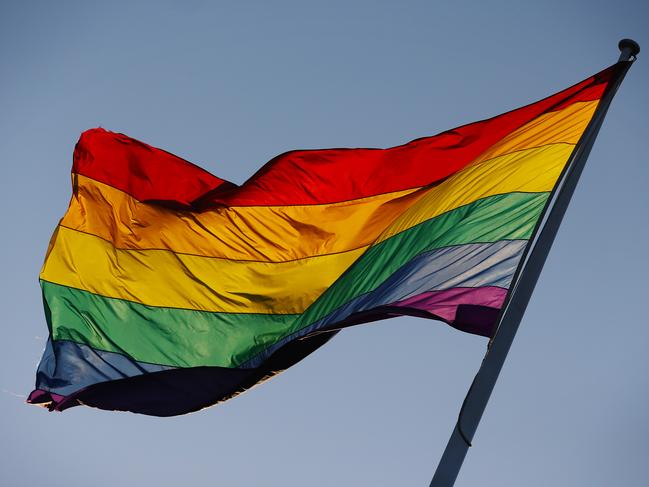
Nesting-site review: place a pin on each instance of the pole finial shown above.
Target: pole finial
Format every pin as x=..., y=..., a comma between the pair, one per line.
x=628, y=48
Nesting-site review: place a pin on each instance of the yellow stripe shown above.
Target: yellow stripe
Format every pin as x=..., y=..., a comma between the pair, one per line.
x=531, y=170
x=162, y=278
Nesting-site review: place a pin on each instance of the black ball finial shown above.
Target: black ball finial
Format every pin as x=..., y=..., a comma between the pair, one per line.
x=629, y=45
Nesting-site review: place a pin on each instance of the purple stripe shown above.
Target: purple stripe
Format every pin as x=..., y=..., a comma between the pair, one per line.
x=474, y=310
x=45, y=398
x=444, y=303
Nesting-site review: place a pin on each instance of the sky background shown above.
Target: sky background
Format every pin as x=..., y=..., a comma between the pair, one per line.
x=229, y=85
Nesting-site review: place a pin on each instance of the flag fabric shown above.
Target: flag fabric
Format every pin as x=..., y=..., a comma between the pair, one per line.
x=167, y=289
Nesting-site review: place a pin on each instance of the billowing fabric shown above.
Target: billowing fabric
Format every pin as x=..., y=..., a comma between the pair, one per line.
x=167, y=289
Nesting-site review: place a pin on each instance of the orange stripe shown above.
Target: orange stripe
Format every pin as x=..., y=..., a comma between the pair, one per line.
x=268, y=234
x=564, y=125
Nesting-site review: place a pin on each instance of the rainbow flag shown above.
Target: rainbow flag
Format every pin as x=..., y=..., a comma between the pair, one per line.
x=167, y=289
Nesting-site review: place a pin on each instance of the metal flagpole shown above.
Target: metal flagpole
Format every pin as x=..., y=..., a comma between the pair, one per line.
x=522, y=287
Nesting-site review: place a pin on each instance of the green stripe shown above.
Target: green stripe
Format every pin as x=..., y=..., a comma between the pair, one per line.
x=188, y=338
x=166, y=336
x=510, y=216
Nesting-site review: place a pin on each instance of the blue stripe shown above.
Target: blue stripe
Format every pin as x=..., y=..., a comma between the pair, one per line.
x=67, y=367
x=469, y=265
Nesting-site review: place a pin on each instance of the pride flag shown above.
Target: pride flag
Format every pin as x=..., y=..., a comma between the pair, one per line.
x=167, y=289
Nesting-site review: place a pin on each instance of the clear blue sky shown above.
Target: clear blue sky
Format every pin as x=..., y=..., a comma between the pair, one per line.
x=228, y=85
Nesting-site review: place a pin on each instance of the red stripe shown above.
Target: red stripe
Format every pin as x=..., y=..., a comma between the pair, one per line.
x=308, y=176
x=144, y=172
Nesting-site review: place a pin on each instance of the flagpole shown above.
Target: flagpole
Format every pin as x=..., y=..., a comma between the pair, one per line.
x=522, y=286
